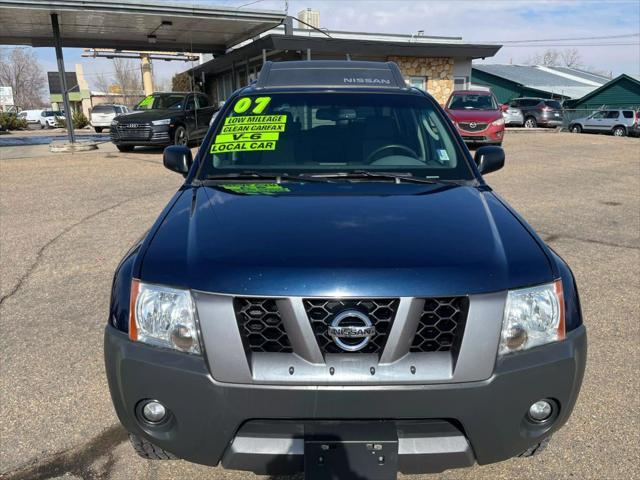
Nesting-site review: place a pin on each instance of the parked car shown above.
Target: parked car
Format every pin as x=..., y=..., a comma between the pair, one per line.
x=335, y=280
x=616, y=122
x=31, y=116
x=477, y=116
x=163, y=119
x=513, y=117
x=103, y=115
x=48, y=118
x=539, y=112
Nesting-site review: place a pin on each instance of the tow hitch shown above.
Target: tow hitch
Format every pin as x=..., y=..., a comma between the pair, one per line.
x=353, y=451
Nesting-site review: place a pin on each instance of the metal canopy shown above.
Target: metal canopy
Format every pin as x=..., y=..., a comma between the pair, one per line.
x=132, y=25
x=340, y=47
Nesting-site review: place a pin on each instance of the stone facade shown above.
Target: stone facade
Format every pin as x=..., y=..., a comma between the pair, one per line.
x=439, y=73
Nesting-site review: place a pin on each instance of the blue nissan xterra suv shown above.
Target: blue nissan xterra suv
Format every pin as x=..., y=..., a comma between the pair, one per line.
x=336, y=290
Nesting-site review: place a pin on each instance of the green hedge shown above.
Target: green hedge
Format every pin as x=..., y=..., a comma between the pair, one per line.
x=10, y=121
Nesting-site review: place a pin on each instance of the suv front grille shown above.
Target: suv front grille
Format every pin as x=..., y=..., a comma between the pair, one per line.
x=260, y=325
x=131, y=131
x=472, y=126
x=381, y=312
x=441, y=325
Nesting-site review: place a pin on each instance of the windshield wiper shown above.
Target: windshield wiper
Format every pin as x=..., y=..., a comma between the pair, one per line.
x=396, y=177
x=251, y=175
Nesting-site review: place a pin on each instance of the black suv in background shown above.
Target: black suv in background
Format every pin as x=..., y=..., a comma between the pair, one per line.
x=539, y=112
x=160, y=119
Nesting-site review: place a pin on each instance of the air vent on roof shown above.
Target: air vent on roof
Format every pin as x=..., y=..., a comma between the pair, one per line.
x=331, y=74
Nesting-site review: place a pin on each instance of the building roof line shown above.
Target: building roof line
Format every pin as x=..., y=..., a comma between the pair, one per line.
x=568, y=76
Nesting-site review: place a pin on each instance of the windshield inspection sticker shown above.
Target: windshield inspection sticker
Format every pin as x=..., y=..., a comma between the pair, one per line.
x=256, y=188
x=443, y=156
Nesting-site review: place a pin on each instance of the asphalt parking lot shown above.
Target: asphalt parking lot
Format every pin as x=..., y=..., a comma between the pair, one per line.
x=67, y=219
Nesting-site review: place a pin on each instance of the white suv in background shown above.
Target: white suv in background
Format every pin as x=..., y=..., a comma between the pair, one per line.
x=48, y=118
x=103, y=115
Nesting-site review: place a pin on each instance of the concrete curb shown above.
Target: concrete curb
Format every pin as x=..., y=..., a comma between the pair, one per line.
x=79, y=146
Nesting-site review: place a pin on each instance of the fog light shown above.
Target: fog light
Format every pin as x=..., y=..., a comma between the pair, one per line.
x=154, y=412
x=515, y=337
x=540, y=411
x=182, y=337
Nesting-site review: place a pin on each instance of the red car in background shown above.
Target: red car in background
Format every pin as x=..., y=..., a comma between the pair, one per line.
x=477, y=115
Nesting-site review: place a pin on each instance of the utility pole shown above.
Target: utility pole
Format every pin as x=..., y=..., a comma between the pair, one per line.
x=68, y=114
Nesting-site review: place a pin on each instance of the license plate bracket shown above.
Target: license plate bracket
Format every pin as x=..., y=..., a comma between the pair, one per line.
x=351, y=450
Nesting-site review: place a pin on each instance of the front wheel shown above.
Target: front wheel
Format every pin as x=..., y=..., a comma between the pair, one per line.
x=576, y=129
x=125, y=148
x=619, y=131
x=180, y=136
x=98, y=129
x=148, y=450
x=530, y=122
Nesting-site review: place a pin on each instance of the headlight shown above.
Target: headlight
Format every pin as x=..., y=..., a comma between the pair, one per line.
x=498, y=122
x=114, y=123
x=165, y=121
x=164, y=317
x=532, y=316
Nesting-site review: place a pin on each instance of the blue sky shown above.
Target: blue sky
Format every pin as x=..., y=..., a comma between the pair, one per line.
x=474, y=20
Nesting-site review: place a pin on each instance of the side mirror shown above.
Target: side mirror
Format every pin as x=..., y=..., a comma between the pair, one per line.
x=489, y=159
x=177, y=158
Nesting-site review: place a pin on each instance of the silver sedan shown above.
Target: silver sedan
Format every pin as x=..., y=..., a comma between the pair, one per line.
x=513, y=117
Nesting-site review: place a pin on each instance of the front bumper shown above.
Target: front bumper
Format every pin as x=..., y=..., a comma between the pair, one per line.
x=493, y=135
x=213, y=421
x=141, y=135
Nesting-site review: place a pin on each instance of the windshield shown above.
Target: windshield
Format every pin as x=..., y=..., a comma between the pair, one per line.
x=161, y=101
x=472, y=102
x=553, y=104
x=103, y=109
x=318, y=133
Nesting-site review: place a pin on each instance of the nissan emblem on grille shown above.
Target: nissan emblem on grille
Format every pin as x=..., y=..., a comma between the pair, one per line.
x=354, y=326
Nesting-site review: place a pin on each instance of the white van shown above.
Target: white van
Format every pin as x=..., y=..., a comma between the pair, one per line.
x=31, y=116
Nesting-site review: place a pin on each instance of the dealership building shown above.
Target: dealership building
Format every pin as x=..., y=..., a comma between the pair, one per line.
x=438, y=65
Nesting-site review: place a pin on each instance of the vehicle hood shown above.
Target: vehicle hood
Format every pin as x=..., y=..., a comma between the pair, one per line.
x=474, y=115
x=146, y=116
x=349, y=239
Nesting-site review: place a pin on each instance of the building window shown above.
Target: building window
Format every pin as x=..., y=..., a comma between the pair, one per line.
x=460, y=83
x=418, y=82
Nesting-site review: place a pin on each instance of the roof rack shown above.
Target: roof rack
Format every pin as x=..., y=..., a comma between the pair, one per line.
x=331, y=74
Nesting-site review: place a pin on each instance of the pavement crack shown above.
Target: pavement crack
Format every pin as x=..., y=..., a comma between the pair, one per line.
x=67, y=229
x=78, y=461
x=552, y=237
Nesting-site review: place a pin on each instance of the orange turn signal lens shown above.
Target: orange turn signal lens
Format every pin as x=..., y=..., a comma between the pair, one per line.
x=560, y=294
x=135, y=289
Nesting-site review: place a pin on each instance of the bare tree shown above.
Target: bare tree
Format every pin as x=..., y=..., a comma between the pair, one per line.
x=20, y=70
x=571, y=58
x=548, y=58
x=128, y=77
x=125, y=79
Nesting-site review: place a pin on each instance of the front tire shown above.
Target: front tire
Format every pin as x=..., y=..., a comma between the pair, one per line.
x=98, y=129
x=180, y=136
x=530, y=122
x=619, y=132
x=148, y=450
x=537, y=449
x=125, y=148
x=576, y=128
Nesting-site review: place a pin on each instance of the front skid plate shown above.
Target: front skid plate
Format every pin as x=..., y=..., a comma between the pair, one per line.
x=353, y=451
